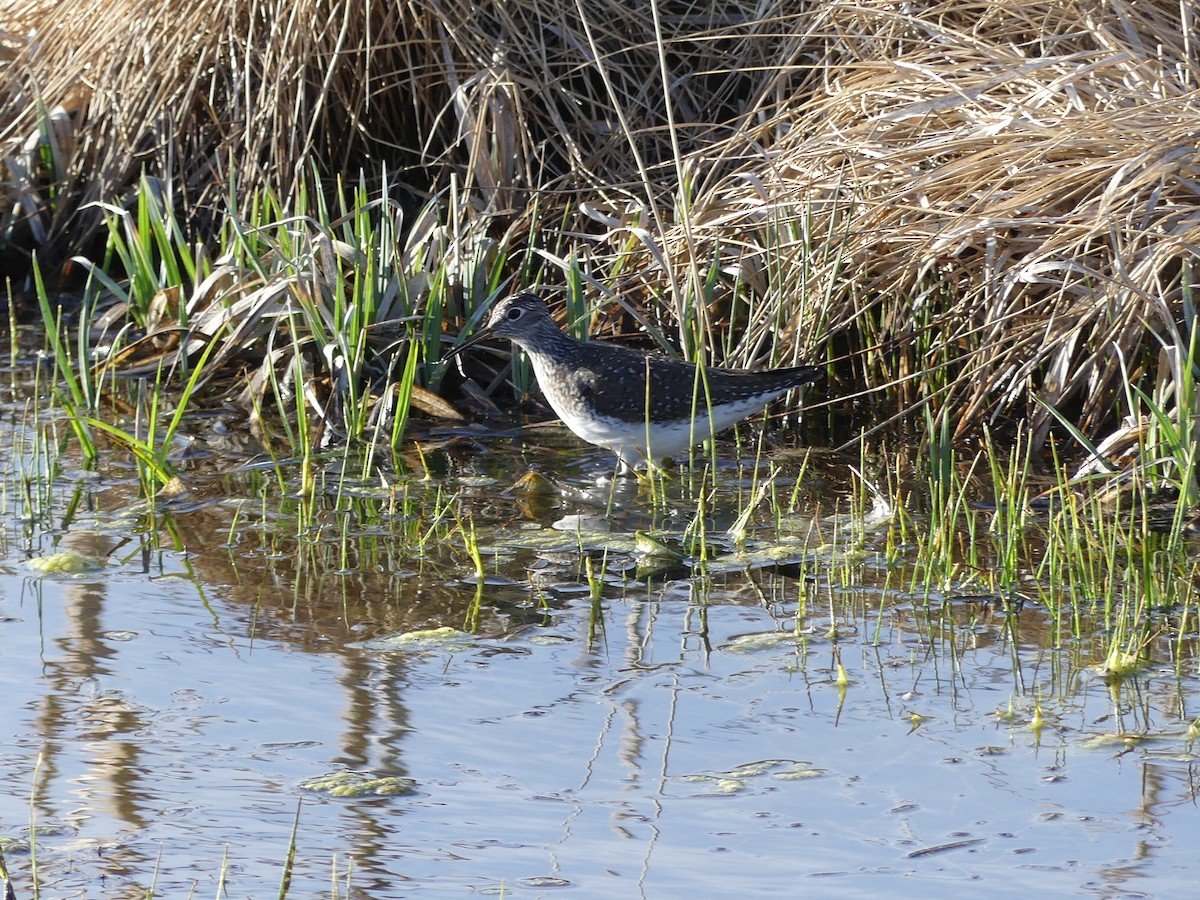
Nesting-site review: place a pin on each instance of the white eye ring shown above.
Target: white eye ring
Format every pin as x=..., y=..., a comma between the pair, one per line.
x=513, y=314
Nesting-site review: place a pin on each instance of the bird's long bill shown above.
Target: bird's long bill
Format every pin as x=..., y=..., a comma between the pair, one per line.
x=479, y=338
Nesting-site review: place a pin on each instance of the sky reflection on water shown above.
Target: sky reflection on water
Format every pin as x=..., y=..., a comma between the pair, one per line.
x=166, y=710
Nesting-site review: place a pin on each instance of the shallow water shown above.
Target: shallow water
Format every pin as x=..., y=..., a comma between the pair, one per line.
x=169, y=710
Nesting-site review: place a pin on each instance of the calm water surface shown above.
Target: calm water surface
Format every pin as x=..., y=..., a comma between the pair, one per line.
x=167, y=711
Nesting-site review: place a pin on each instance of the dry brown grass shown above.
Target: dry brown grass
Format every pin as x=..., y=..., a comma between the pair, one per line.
x=1012, y=191
x=975, y=202
x=221, y=96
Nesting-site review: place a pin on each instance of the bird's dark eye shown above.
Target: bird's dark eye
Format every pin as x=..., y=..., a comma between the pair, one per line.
x=513, y=314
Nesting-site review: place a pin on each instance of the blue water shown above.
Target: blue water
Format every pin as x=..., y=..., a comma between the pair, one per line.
x=165, y=710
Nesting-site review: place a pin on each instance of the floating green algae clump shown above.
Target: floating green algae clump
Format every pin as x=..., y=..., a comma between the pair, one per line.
x=65, y=562
x=359, y=784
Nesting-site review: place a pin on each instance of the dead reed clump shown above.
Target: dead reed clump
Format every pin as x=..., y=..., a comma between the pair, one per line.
x=520, y=102
x=990, y=203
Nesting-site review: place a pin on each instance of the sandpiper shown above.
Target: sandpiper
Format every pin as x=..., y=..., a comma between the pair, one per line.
x=642, y=407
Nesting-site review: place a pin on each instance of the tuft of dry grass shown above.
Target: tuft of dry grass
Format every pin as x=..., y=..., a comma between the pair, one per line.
x=221, y=97
x=1003, y=199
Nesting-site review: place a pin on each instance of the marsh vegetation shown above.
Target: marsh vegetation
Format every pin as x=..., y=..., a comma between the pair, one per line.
x=239, y=238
